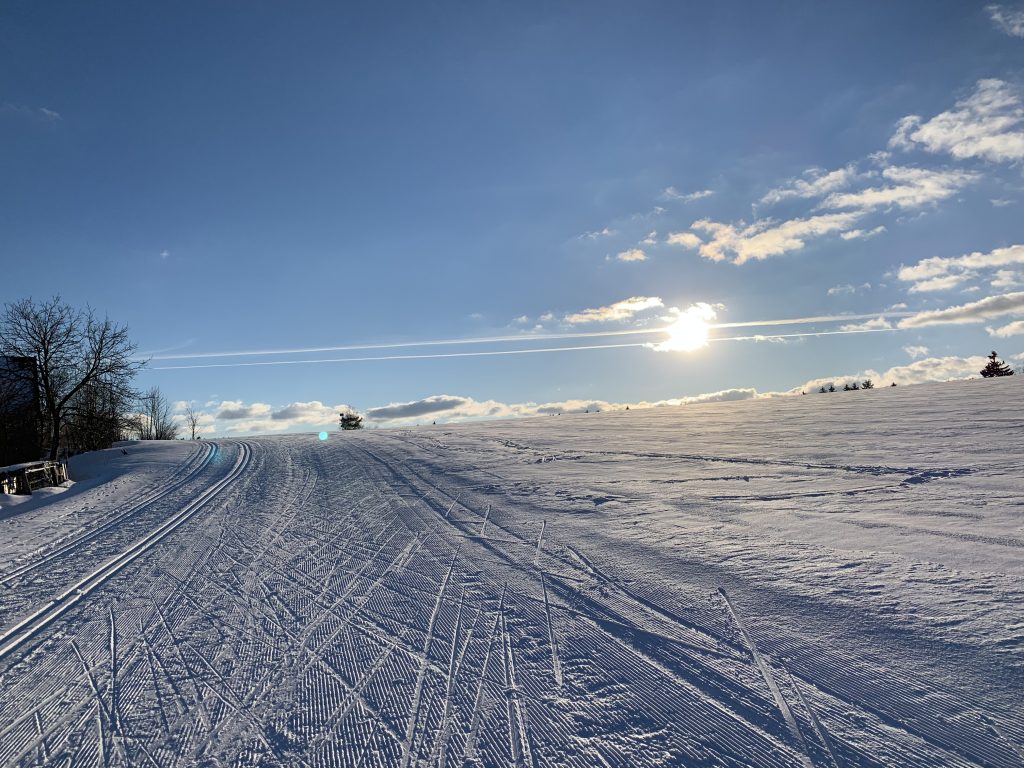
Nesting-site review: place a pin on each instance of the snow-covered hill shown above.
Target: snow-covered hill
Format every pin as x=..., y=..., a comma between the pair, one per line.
x=823, y=580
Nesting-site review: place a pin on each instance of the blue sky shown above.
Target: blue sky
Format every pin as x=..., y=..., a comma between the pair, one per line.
x=263, y=176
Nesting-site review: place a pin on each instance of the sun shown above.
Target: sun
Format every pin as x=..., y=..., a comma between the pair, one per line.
x=690, y=330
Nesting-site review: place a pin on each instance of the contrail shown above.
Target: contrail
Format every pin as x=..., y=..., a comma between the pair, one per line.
x=804, y=320
x=434, y=356
x=513, y=339
x=498, y=352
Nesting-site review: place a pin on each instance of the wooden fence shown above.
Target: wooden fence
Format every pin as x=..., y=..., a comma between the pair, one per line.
x=25, y=478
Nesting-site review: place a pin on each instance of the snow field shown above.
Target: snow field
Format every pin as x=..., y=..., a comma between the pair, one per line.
x=821, y=580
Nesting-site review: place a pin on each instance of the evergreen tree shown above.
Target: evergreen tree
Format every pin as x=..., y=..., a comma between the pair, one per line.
x=867, y=384
x=823, y=390
x=846, y=387
x=831, y=387
x=995, y=368
x=893, y=384
x=350, y=420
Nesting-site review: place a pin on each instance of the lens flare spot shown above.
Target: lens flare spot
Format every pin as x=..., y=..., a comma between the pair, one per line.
x=323, y=435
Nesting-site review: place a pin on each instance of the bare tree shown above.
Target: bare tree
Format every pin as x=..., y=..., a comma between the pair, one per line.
x=73, y=349
x=192, y=419
x=155, y=421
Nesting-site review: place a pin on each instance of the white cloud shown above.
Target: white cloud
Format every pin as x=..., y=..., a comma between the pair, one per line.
x=863, y=234
x=234, y=410
x=917, y=372
x=454, y=408
x=767, y=237
x=39, y=114
x=841, y=290
x=874, y=324
x=1007, y=278
x=651, y=239
x=1000, y=202
x=985, y=125
x=620, y=310
x=911, y=188
x=1016, y=328
x=942, y=283
x=671, y=193
x=685, y=239
x=846, y=289
x=238, y=417
x=815, y=183
x=915, y=351
x=633, y=254
x=606, y=232
x=941, y=273
x=974, y=312
x=1008, y=20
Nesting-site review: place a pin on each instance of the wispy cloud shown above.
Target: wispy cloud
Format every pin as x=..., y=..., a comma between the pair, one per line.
x=846, y=289
x=633, y=254
x=1008, y=20
x=985, y=125
x=685, y=239
x=598, y=234
x=973, y=312
x=874, y=324
x=1016, y=328
x=815, y=182
x=863, y=234
x=915, y=351
x=39, y=114
x=671, y=193
x=939, y=273
x=910, y=188
x=620, y=310
x=768, y=237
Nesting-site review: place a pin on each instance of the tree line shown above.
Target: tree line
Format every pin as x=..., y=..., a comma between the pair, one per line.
x=80, y=376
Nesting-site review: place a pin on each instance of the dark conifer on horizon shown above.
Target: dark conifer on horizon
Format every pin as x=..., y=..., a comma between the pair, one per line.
x=995, y=368
x=350, y=420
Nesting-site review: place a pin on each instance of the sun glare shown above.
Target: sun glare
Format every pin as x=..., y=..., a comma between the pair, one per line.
x=690, y=330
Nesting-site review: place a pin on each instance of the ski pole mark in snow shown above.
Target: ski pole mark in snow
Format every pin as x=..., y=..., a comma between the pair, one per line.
x=556, y=664
x=540, y=541
x=769, y=679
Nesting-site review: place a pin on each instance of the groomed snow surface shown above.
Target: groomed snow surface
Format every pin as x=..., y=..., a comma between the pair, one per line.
x=830, y=580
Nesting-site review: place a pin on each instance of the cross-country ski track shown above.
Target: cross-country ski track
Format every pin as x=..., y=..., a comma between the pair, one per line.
x=823, y=581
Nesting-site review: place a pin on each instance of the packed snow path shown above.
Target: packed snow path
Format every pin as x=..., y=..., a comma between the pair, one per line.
x=832, y=580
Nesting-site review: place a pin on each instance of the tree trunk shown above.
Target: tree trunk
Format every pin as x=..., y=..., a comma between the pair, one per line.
x=54, y=438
